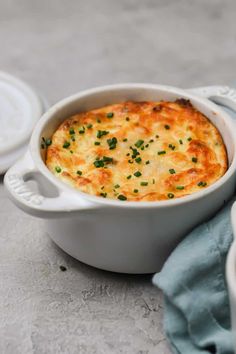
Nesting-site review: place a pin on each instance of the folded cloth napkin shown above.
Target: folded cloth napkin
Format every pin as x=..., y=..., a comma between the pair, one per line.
x=196, y=314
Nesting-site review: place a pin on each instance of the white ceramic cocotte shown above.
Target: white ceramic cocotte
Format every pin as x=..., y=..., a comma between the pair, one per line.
x=129, y=237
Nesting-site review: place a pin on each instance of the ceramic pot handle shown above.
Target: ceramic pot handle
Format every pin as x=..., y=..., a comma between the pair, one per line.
x=223, y=95
x=49, y=202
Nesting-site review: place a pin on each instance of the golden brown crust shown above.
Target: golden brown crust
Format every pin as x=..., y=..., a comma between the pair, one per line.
x=177, y=150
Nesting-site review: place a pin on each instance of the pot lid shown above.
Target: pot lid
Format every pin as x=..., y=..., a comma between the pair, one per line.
x=20, y=109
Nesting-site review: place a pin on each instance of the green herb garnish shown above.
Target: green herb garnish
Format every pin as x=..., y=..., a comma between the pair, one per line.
x=128, y=177
x=125, y=139
x=135, y=190
x=58, y=169
x=66, y=144
x=180, y=188
x=143, y=183
x=104, y=195
x=82, y=131
x=202, y=184
x=194, y=159
x=79, y=173
x=172, y=171
x=170, y=195
x=189, y=139
x=138, y=160
x=181, y=141
x=167, y=127
x=110, y=115
x=147, y=162
x=89, y=126
x=163, y=152
x=117, y=186
x=101, y=162
x=101, y=133
x=72, y=131
x=121, y=197
x=112, y=143
x=137, y=174
x=139, y=143
x=97, y=143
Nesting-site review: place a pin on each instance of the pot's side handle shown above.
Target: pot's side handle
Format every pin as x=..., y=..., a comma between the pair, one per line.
x=49, y=202
x=223, y=95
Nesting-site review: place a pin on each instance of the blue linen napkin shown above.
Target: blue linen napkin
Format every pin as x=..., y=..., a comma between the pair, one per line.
x=196, y=313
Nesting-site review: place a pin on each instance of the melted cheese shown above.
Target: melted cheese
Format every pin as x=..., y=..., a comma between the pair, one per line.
x=160, y=150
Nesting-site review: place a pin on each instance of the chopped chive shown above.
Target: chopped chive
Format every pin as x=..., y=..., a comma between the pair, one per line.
x=121, y=197
x=143, y=183
x=110, y=115
x=137, y=174
x=125, y=139
x=98, y=120
x=172, y=171
x=135, y=190
x=82, y=131
x=139, y=143
x=157, y=136
x=153, y=181
x=202, y=184
x=71, y=151
x=73, y=138
x=135, y=152
x=163, y=152
x=167, y=127
x=101, y=163
x=194, y=159
x=112, y=143
x=104, y=195
x=127, y=119
x=102, y=187
x=138, y=160
x=189, y=139
x=147, y=162
x=130, y=161
x=147, y=145
x=128, y=177
x=101, y=133
x=128, y=154
x=117, y=186
x=72, y=131
x=180, y=188
x=58, y=169
x=151, y=141
x=48, y=142
x=170, y=195
x=79, y=172
x=142, y=148
x=66, y=144
x=181, y=142
x=89, y=126
x=97, y=143
x=98, y=163
x=172, y=147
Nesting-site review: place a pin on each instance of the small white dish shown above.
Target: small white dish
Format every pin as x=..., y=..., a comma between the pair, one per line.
x=20, y=109
x=128, y=237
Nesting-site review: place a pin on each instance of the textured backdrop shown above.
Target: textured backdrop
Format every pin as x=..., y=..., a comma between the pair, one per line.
x=60, y=47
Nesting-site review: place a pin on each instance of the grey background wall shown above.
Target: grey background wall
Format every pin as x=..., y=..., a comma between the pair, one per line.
x=60, y=47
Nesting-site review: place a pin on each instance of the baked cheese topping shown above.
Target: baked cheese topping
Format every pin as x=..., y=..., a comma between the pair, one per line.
x=138, y=151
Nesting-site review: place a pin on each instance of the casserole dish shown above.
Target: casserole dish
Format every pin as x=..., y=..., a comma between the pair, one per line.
x=129, y=237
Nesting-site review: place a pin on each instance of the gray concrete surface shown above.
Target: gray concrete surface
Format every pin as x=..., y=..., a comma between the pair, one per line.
x=60, y=47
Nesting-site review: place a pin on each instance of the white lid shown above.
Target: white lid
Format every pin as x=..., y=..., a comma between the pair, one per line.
x=20, y=109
